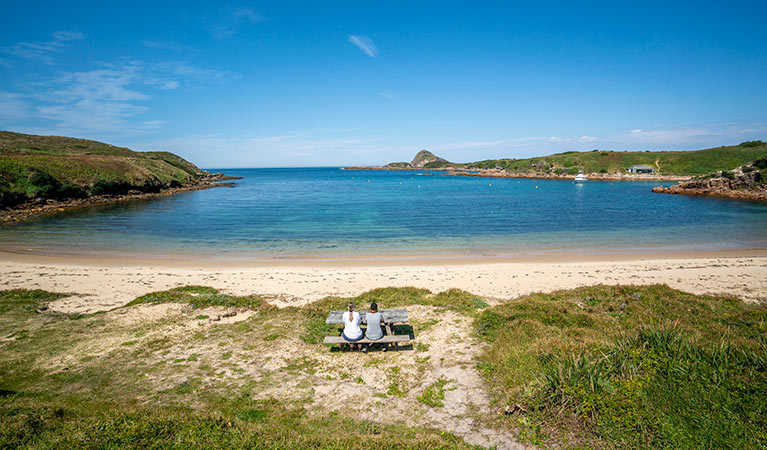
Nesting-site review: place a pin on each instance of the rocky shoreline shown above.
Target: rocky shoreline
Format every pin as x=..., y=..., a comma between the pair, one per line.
x=494, y=173
x=740, y=185
x=43, y=207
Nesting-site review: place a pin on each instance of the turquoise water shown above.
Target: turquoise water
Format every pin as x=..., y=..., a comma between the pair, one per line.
x=328, y=212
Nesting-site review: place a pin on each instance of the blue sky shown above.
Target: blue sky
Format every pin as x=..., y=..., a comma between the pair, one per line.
x=332, y=83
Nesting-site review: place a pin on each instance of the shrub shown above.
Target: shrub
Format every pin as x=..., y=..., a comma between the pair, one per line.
x=751, y=143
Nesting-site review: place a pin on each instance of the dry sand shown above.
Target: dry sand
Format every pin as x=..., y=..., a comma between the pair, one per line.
x=103, y=284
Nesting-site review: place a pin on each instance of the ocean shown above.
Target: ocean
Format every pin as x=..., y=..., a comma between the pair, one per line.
x=305, y=213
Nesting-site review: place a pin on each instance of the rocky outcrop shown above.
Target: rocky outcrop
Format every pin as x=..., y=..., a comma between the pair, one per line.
x=422, y=159
x=747, y=182
x=425, y=158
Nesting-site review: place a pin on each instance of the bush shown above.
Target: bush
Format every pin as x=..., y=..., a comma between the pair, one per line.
x=104, y=187
x=751, y=143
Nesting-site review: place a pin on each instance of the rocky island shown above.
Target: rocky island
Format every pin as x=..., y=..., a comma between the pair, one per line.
x=47, y=174
x=746, y=182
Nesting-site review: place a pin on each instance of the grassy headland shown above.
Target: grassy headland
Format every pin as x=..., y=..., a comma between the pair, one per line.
x=681, y=163
x=59, y=168
x=595, y=367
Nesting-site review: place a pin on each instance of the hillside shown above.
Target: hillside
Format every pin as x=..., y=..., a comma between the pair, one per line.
x=59, y=168
x=682, y=163
x=422, y=159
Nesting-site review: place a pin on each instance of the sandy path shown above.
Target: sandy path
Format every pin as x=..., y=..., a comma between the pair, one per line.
x=105, y=285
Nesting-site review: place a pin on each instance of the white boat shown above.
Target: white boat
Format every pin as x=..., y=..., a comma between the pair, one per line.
x=580, y=178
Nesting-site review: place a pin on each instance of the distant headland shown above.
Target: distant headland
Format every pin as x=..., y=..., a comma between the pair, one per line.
x=596, y=164
x=45, y=174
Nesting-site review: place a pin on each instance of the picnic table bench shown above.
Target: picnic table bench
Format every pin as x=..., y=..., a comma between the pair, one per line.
x=390, y=317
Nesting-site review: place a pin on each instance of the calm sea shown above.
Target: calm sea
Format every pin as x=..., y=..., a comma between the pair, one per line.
x=328, y=212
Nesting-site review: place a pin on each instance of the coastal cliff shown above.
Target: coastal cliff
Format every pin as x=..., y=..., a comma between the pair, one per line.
x=40, y=174
x=747, y=182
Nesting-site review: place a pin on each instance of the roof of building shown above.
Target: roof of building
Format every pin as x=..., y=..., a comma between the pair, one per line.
x=640, y=166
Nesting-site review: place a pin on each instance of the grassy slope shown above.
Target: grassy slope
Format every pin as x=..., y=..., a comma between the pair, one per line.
x=107, y=400
x=630, y=367
x=668, y=163
x=77, y=164
x=594, y=367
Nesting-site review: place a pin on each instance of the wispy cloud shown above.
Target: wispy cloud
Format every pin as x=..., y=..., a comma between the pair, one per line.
x=389, y=95
x=164, y=45
x=673, y=136
x=12, y=107
x=298, y=148
x=111, y=99
x=44, y=50
x=230, y=21
x=365, y=44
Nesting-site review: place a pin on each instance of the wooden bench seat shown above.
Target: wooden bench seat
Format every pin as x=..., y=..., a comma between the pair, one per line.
x=391, y=339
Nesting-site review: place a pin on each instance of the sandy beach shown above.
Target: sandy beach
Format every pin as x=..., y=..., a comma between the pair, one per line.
x=106, y=283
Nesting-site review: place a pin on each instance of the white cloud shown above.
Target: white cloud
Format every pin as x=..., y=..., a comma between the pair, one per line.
x=298, y=148
x=229, y=23
x=389, y=95
x=43, y=50
x=13, y=107
x=365, y=44
x=164, y=45
x=680, y=136
x=109, y=100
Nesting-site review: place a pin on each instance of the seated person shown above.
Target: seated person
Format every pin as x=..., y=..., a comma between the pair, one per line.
x=352, y=331
x=374, y=319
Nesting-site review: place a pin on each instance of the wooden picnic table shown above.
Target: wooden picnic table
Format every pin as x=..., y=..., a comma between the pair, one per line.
x=389, y=316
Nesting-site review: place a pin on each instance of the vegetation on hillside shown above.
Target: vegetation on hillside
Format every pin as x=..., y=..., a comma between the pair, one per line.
x=52, y=167
x=608, y=162
x=630, y=367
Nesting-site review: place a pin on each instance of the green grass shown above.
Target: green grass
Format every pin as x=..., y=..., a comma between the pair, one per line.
x=697, y=162
x=32, y=420
x=593, y=367
x=53, y=167
x=106, y=400
x=434, y=394
x=199, y=297
x=630, y=367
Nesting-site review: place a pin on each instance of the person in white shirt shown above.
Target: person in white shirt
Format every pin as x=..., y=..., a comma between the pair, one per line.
x=352, y=331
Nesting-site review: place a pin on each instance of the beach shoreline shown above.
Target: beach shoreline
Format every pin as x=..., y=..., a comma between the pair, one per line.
x=100, y=284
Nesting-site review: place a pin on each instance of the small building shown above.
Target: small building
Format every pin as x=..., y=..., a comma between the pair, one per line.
x=637, y=168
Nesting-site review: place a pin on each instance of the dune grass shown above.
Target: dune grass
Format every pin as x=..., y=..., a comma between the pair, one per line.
x=199, y=297
x=594, y=367
x=630, y=367
x=105, y=400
